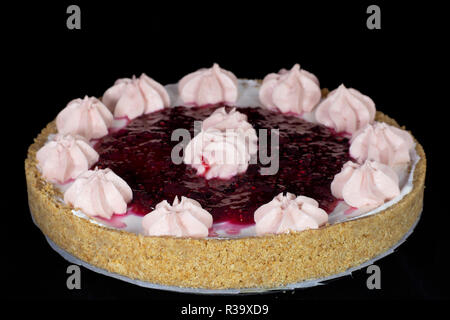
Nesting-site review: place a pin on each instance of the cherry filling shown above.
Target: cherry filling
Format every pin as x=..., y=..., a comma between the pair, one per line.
x=309, y=157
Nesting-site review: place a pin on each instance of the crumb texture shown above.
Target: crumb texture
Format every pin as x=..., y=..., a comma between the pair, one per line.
x=266, y=261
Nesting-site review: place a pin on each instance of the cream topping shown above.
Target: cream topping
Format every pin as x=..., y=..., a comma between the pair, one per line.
x=295, y=91
x=185, y=218
x=99, y=192
x=346, y=110
x=365, y=186
x=209, y=86
x=87, y=117
x=249, y=96
x=383, y=143
x=65, y=157
x=289, y=213
x=224, y=146
x=222, y=120
x=134, y=97
x=217, y=154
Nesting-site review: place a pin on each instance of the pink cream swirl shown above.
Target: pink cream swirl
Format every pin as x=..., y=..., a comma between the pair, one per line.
x=185, y=218
x=383, y=143
x=224, y=146
x=346, y=110
x=87, y=117
x=222, y=120
x=134, y=97
x=209, y=86
x=217, y=154
x=65, y=157
x=294, y=91
x=365, y=186
x=99, y=193
x=289, y=213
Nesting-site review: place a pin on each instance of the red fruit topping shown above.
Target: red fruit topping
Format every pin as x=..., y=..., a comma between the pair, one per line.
x=309, y=157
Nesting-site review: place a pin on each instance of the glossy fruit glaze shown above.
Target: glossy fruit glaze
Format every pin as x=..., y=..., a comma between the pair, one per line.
x=309, y=157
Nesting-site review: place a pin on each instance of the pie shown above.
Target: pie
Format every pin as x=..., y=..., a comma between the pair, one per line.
x=218, y=182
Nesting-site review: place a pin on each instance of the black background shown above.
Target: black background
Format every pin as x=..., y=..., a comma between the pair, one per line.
x=397, y=66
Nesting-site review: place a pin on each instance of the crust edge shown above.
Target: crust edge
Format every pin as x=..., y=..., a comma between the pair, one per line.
x=269, y=261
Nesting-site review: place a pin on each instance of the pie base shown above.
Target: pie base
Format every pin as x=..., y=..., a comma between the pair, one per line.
x=303, y=284
x=253, y=262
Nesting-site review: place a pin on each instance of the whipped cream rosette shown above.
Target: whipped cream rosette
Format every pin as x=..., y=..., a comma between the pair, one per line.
x=289, y=213
x=65, y=157
x=224, y=146
x=185, y=218
x=365, y=186
x=136, y=96
x=296, y=91
x=217, y=154
x=345, y=110
x=220, y=119
x=87, y=117
x=209, y=86
x=383, y=143
x=99, y=192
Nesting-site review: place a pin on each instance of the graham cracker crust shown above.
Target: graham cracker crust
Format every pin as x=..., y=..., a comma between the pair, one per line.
x=264, y=262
